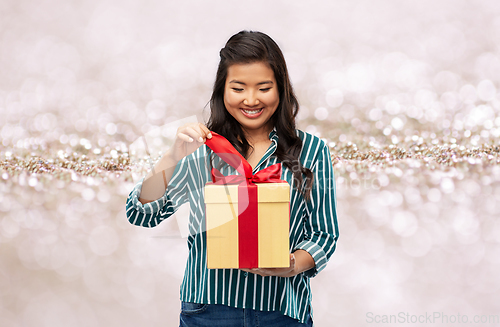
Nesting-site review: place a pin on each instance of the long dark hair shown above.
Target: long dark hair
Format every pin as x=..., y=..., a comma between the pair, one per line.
x=249, y=47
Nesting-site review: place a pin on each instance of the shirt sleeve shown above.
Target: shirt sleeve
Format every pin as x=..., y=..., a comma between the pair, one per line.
x=153, y=213
x=321, y=223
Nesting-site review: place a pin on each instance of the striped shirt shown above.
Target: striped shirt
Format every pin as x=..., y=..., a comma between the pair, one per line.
x=313, y=228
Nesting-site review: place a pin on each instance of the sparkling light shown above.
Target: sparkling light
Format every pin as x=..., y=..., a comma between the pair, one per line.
x=406, y=96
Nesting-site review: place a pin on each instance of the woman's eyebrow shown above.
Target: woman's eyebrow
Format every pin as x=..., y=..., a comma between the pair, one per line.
x=260, y=83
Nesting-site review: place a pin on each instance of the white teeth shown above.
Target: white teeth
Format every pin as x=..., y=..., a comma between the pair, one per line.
x=252, y=112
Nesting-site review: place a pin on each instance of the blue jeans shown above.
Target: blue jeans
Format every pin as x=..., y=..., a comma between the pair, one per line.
x=200, y=315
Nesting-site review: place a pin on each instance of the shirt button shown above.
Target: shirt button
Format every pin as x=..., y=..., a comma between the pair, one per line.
x=245, y=274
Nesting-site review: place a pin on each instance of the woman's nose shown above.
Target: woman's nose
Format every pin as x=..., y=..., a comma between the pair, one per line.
x=251, y=101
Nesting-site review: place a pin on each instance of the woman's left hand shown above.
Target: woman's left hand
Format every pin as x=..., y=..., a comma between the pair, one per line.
x=280, y=272
x=300, y=261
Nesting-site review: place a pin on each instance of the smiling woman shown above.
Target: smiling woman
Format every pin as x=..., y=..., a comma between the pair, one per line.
x=253, y=105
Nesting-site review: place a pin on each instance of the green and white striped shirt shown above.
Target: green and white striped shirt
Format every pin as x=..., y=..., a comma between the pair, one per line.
x=313, y=228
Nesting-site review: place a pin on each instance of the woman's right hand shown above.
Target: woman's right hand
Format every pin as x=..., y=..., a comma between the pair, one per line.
x=188, y=138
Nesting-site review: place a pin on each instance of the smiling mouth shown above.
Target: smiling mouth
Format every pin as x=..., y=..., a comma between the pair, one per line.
x=252, y=111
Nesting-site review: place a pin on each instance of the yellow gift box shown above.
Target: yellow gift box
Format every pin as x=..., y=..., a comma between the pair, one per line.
x=225, y=237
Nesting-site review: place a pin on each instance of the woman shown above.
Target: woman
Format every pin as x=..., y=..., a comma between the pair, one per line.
x=253, y=105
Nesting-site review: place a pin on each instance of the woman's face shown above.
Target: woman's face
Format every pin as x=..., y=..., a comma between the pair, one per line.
x=251, y=96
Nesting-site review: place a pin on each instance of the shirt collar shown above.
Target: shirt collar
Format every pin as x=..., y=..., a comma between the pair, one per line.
x=273, y=135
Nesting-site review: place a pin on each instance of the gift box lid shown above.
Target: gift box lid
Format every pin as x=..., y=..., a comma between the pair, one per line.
x=267, y=192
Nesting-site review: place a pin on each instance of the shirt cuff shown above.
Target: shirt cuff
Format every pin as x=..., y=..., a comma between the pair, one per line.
x=149, y=208
x=316, y=253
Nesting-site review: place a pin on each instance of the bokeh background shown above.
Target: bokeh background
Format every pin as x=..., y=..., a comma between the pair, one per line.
x=406, y=93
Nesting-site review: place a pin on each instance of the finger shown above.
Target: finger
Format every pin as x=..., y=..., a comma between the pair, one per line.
x=267, y=271
x=185, y=138
x=258, y=271
x=206, y=131
x=263, y=272
x=203, y=131
x=194, y=133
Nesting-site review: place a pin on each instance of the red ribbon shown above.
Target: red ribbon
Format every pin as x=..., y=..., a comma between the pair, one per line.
x=248, y=220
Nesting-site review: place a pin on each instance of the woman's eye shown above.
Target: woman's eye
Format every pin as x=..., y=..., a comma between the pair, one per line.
x=265, y=90
x=237, y=90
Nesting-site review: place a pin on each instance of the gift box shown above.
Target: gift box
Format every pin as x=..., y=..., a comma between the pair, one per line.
x=247, y=216
x=226, y=234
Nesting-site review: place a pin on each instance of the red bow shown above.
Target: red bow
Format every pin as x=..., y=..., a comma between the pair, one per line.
x=221, y=146
x=271, y=174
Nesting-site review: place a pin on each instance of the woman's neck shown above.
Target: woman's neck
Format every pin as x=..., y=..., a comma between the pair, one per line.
x=258, y=136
